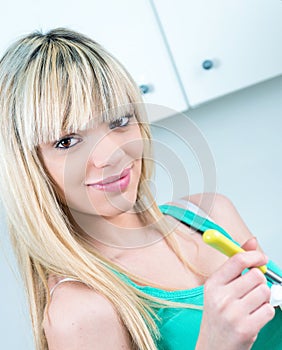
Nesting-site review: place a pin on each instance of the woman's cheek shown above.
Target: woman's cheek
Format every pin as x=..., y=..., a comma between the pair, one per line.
x=136, y=145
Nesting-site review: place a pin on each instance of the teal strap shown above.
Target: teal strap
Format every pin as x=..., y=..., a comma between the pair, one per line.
x=193, y=220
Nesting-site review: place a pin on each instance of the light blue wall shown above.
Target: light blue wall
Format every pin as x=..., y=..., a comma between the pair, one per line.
x=15, y=330
x=239, y=136
x=243, y=132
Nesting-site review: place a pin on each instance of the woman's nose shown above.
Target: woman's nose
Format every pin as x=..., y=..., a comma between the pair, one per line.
x=107, y=151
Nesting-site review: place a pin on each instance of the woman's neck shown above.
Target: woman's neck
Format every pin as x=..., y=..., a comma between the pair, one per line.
x=120, y=232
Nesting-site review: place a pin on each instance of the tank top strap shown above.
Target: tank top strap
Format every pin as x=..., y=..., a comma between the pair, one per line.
x=192, y=207
x=200, y=223
x=67, y=279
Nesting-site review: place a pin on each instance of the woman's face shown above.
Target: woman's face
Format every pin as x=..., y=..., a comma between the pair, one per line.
x=98, y=169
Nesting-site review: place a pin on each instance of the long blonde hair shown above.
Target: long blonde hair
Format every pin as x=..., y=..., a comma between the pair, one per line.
x=48, y=83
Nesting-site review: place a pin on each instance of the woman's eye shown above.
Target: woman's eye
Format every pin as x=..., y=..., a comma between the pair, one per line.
x=120, y=122
x=67, y=143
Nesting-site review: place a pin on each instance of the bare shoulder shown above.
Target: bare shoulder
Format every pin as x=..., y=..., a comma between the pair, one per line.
x=80, y=318
x=221, y=209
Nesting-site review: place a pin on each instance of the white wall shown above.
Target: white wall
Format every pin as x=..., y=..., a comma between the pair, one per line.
x=239, y=137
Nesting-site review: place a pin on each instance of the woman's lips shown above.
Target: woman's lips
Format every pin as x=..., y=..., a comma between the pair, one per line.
x=116, y=183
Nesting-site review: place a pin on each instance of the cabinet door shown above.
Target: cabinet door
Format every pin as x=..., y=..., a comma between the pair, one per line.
x=239, y=43
x=128, y=29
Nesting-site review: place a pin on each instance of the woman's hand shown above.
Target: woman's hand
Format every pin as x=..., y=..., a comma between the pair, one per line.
x=236, y=307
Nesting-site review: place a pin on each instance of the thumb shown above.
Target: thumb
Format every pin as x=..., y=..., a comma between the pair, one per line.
x=250, y=244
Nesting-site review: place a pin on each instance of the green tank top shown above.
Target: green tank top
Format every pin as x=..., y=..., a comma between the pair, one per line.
x=179, y=327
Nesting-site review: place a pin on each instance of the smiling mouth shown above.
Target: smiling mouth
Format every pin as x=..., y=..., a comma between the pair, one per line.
x=111, y=179
x=115, y=183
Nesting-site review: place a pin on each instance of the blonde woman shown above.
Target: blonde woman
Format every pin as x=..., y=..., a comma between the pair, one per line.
x=103, y=267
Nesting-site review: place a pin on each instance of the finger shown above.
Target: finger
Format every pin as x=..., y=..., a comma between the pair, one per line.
x=234, y=266
x=256, y=298
x=261, y=316
x=244, y=284
x=250, y=244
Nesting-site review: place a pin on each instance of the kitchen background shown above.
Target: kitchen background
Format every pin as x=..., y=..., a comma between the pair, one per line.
x=211, y=73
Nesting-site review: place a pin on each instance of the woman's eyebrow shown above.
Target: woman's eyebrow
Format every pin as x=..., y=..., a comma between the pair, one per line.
x=66, y=134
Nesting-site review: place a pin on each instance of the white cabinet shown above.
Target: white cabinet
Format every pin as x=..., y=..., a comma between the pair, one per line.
x=164, y=44
x=128, y=29
x=242, y=39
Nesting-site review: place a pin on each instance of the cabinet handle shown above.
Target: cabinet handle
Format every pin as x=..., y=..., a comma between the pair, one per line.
x=207, y=64
x=145, y=88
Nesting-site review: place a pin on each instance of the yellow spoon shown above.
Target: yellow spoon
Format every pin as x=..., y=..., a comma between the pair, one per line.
x=223, y=244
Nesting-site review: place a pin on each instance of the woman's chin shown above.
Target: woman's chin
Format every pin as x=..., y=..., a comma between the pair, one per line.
x=117, y=206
